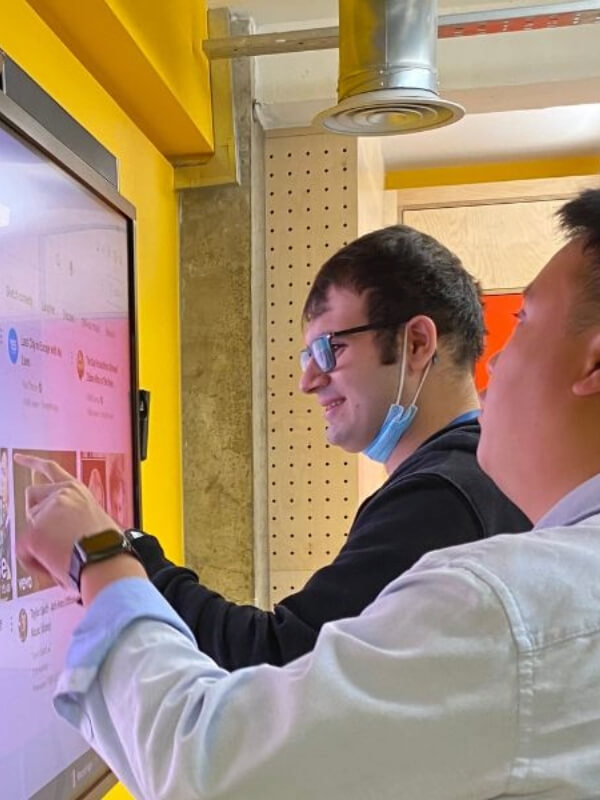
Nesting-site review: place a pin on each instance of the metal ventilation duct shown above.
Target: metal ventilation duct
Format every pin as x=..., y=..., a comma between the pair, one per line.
x=388, y=79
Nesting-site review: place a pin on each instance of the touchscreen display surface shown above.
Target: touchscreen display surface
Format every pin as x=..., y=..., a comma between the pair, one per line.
x=65, y=394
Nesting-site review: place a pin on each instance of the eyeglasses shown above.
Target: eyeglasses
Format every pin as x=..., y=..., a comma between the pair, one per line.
x=323, y=350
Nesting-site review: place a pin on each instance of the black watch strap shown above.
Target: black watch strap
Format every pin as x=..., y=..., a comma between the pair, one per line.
x=134, y=533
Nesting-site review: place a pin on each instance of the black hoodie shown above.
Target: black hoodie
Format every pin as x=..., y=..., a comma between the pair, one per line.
x=438, y=497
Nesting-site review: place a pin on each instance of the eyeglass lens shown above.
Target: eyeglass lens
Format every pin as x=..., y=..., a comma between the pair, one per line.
x=320, y=350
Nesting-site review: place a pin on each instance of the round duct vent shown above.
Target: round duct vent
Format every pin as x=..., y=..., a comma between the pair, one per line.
x=389, y=111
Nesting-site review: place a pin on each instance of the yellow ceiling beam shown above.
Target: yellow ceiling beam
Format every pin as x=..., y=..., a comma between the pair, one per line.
x=493, y=171
x=148, y=57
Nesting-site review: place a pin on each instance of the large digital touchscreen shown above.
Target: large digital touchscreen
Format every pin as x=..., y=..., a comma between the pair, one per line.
x=65, y=393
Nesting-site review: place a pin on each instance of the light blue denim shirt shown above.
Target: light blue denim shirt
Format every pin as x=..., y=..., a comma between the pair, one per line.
x=474, y=675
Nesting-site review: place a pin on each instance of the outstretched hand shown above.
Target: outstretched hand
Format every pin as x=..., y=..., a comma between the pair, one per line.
x=59, y=512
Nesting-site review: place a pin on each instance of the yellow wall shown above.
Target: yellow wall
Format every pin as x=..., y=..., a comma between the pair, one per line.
x=146, y=180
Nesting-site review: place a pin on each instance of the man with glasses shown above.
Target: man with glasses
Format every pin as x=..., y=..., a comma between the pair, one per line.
x=393, y=327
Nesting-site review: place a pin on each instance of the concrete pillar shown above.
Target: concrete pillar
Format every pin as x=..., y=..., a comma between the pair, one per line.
x=222, y=320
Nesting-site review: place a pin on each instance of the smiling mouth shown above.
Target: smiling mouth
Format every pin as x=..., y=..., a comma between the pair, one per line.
x=330, y=407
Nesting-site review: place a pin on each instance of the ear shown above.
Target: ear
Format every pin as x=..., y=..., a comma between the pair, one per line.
x=589, y=383
x=421, y=342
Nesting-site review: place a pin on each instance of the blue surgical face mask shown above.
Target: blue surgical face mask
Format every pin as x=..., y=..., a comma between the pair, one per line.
x=398, y=418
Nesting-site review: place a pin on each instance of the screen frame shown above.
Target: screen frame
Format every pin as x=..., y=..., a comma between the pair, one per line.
x=28, y=129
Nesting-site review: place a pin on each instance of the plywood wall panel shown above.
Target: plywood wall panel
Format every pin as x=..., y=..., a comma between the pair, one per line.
x=504, y=245
x=286, y=582
x=311, y=204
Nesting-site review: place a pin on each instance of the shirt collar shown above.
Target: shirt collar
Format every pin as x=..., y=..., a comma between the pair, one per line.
x=468, y=416
x=580, y=503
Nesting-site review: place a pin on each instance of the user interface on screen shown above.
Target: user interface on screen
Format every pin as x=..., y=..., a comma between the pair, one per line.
x=65, y=383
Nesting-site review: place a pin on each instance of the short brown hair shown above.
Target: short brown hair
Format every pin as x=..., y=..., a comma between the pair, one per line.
x=405, y=273
x=580, y=219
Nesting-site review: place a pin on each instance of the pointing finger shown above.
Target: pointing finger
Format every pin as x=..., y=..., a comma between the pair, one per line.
x=49, y=469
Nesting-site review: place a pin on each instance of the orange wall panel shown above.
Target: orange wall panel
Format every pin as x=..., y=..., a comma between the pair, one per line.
x=499, y=313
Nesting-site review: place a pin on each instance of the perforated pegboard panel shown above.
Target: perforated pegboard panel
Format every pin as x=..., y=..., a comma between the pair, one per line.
x=311, y=212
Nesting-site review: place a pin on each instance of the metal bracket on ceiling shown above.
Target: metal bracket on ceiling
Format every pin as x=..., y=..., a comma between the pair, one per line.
x=505, y=20
x=223, y=166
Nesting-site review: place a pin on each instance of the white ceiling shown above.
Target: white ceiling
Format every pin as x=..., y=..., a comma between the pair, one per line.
x=288, y=12
x=527, y=95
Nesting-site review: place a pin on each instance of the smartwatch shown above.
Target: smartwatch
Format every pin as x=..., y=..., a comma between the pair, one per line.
x=97, y=547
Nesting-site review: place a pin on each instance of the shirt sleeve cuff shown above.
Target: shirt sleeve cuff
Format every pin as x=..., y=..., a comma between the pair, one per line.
x=115, y=608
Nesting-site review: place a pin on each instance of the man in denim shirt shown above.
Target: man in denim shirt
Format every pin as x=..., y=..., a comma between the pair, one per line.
x=476, y=674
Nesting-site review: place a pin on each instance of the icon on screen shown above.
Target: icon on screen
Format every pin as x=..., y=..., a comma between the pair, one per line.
x=23, y=625
x=80, y=364
x=13, y=345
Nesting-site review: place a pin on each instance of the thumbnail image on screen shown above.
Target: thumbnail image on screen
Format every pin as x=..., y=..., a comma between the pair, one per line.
x=22, y=478
x=66, y=379
x=5, y=539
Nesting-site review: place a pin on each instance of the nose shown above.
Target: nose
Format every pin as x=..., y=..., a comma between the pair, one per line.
x=492, y=363
x=313, y=378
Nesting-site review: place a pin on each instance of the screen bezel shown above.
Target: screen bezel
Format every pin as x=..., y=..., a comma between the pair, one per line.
x=26, y=128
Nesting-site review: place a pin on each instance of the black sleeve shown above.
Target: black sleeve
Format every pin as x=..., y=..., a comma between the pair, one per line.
x=392, y=530
x=233, y=635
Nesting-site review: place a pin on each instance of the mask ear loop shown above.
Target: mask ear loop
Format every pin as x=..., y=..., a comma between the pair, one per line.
x=420, y=386
x=403, y=373
x=403, y=368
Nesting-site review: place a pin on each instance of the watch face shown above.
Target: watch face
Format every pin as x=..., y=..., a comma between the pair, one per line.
x=97, y=547
x=101, y=542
